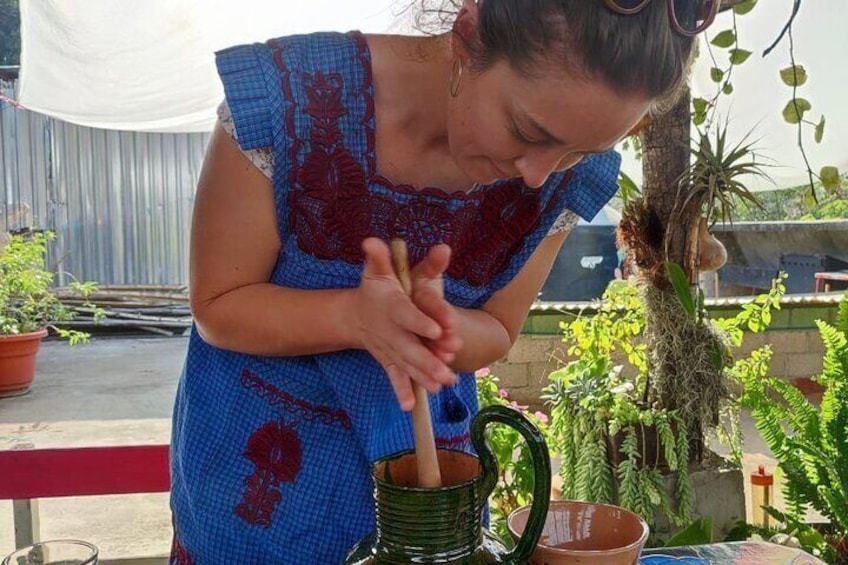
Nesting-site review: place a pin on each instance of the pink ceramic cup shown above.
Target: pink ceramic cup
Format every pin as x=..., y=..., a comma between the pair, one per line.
x=585, y=533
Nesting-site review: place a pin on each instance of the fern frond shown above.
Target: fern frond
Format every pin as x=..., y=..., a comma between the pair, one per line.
x=801, y=414
x=834, y=420
x=842, y=315
x=797, y=490
x=812, y=459
x=768, y=423
x=837, y=507
x=835, y=363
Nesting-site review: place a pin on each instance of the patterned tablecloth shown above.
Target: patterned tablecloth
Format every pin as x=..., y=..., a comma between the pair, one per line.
x=737, y=553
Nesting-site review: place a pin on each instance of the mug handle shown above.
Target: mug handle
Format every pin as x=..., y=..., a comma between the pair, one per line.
x=541, y=471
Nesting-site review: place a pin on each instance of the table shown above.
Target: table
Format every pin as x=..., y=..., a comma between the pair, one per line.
x=823, y=277
x=733, y=553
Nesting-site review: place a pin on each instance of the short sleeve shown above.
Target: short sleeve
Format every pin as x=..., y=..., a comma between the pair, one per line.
x=246, y=75
x=593, y=184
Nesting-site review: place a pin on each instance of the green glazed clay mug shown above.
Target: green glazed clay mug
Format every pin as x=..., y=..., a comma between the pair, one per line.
x=444, y=525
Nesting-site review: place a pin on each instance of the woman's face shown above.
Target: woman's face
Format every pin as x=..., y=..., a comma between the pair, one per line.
x=504, y=125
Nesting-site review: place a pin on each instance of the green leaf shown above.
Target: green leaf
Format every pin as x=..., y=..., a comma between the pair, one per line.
x=739, y=56
x=627, y=187
x=795, y=109
x=829, y=176
x=700, y=110
x=728, y=88
x=716, y=74
x=810, y=200
x=724, y=39
x=793, y=76
x=699, y=532
x=820, y=130
x=681, y=286
x=744, y=7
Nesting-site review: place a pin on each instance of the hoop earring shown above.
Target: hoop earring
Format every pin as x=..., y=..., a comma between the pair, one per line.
x=456, y=77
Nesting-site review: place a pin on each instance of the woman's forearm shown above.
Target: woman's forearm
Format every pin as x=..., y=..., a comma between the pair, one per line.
x=266, y=319
x=484, y=340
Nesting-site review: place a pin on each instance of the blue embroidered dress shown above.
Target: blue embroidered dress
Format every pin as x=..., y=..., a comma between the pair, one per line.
x=271, y=456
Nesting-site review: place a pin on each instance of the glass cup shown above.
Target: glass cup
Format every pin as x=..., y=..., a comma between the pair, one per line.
x=54, y=552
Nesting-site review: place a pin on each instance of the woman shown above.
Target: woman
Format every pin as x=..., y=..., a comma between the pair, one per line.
x=479, y=147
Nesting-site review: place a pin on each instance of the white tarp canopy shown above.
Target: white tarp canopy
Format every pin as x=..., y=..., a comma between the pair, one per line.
x=148, y=66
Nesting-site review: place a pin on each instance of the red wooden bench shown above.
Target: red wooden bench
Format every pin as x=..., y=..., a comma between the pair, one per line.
x=27, y=475
x=824, y=278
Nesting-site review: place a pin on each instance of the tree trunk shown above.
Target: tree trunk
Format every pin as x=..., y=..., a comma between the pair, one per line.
x=666, y=157
x=666, y=151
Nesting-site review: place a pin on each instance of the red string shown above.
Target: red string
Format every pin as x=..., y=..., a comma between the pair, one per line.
x=11, y=102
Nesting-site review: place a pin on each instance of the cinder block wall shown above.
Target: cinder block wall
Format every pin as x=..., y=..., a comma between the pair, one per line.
x=797, y=351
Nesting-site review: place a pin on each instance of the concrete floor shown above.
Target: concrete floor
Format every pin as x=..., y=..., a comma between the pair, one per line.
x=113, y=391
x=119, y=391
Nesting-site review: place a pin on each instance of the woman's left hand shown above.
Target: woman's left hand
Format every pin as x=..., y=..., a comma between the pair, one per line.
x=428, y=295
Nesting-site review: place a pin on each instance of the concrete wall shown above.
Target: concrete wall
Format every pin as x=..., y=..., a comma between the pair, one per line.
x=797, y=351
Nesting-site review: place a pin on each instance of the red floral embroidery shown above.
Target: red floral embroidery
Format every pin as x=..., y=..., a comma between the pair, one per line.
x=330, y=199
x=276, y=452
x=306, y=410
x=332, y=209
x=506, y=216
x=423, y=224
x=179, y=555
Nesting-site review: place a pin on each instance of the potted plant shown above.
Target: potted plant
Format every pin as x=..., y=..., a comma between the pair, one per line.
x=617, y=441
x=29, y=307
x=616, y=444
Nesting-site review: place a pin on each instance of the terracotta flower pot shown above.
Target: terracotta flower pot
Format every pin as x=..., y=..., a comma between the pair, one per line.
x=17, y=361
x=585, y=533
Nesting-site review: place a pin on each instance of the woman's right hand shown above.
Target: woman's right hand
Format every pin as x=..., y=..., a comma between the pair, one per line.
x=391, y=327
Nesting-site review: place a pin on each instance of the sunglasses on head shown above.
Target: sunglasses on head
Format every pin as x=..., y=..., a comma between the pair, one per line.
x=688, y=17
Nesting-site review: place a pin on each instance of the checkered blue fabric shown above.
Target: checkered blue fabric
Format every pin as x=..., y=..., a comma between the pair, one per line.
x=271, y=456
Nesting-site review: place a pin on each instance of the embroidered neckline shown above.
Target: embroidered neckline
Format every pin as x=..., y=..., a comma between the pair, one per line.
x=333, y=202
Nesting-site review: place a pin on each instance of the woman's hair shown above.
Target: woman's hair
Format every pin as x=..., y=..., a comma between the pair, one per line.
x=638, y=53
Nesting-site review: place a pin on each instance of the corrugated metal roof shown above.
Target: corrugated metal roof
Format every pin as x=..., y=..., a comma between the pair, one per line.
x=120, y=202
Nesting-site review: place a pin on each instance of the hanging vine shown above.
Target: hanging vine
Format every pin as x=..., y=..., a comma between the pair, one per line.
x=794, y=76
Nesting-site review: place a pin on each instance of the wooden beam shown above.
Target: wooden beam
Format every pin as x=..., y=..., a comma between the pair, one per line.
x=85, y=471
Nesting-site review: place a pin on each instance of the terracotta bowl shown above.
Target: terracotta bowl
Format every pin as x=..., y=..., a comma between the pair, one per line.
x=585, y=533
